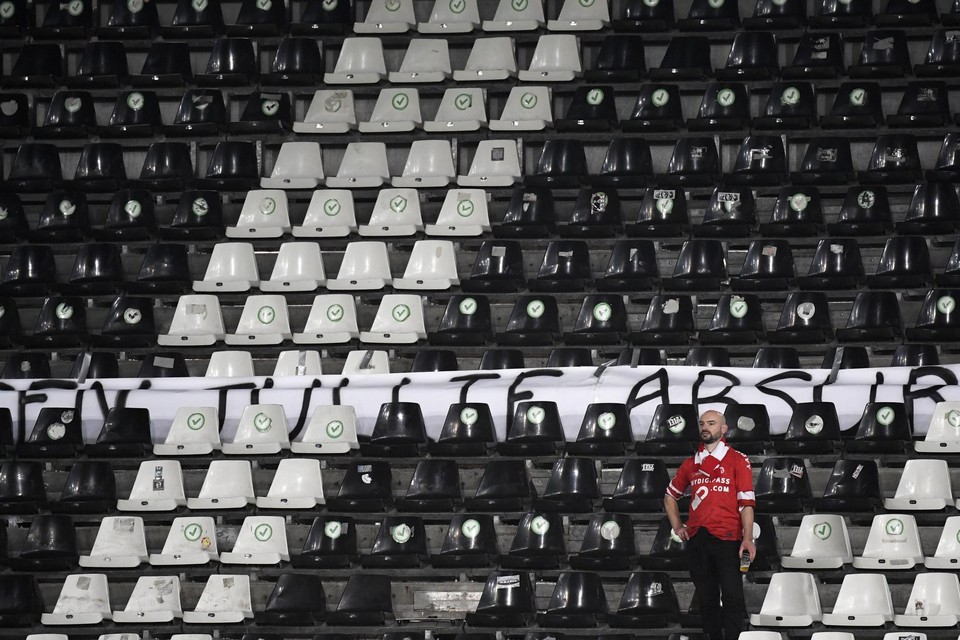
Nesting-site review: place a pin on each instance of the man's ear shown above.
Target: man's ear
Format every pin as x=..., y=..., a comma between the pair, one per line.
x=724, y=428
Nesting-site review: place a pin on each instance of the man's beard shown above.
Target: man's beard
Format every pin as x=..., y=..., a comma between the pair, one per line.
x=708, y=438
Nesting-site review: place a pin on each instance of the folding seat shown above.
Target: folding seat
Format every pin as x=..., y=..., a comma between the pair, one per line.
x=16, y=118
x=232, y=62
x=511, y=16
x=470, y=541
x=667, y=552
x=496, y=163
x=30, y=270
x=791, y=600
x=135, y=114
x=865, y=211
x=396, y=111
x=620, y=59
x=560, y=161
x=232, y=166
x=686, y=58
x=262, y=430
x=169, y=364
x=62, y=321
x=915, y=355
x=836, y=264
x=452, y=17
x=365, y=600
x=782, y=486
x=125, y=433
x=365, y=487
x=133, y=20
x=120, y=543
x=943, y=56
x=35, y=168
x=700, y=266
x=947, y=554
x=318, y=17
x=578, y=600
x=263, y=18
x=648, y=601
x=264, y=320
x=391, y=16
x=507, y=600
x=228, y=484
x=663, y=212
x=941, y=435
x=937, y=318
x=164, y=270
x=361, y=61
x=96, y=270
x=924, y=104
x=399, y=320
x=491, y=59
x=804, y=318
x=157, y=487
x=555, y=59
x=875, y=316
x=895, y=159
x=467, y=430
x=50, y=545
x=167, y=166
x=736, y=319
x=21, y=366
x=262, y=540
x=15, y=20
x=537, y=544
x=823, y=542
x=863, y=601
x=102, y=64
x=657, y=109
x=395, y=213
x=789, y=105
x=191, y=540
x=64, y=22
x=530, y=214
x=923, y=486
x=818, y=56
x=84, y=599
x=20, y=603
x=723, y=106
x=884, y=55
x=951, y=272
x=932, y=210
x=296, y=599
x=39, y=64
x=201, y=112
x=904, y=263
x=57, y=432
x=505, y=485
x=883, y=427
x=694, y=162
x=669, y=320
x=893, y=543
x=366, y=362
x=264, y=112
x=534, y=320
x=673, y=430
x=608, y=543
x=329, y=214
x=400, y=543
x=225, y=599
x=70, y=114
x=364, y=165
x=581, y=16
x=165, y=64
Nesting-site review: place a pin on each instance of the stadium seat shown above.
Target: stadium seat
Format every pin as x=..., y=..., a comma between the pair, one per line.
x=90, y=487
x=853, y=485
x=361, y=61
x=805, y=317
x=673, y=430
x=190, y=540
x=789, y=105
x=365, y=487
x=194, y=431
x=578, y=600
x=694, y=162
x=330, y=543
x=648, y=601
x=262, y=540
x=556, y=58
x=669, y=320
x=365, y=600
x=461, y=109
x=534, y=320
x=120, y=543
x=296, y=599
x=228, y=484
x=632, y=266
x=892, y=544
x=668, y=551
x=154, y=599
x=686, y=58
x=823, y=542
x=157, y=487
x=947, y=554
x=941, y=435
x=505, y=607
x=657, y=109
x=724, y=106
x=435, y=486
x=125, y=433
x=232, y=62
x=329, y=214
x=736, y=319
x=813, y=428
x=782, y=486
x=84, y=600
x=226, y=599
x=505, y=485
x=537, y=544
x=400, y=543
x=470, y=541
x=924, y=486
x=196, y=321
x=884, y=55
x=791, y=600
x=50, y=545
x=700, y=266
x=608, y=543
x=299, y=267
x=573, y=487
x=863, y=601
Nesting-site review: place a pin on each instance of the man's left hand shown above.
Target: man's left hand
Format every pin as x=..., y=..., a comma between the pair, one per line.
x=747, y=546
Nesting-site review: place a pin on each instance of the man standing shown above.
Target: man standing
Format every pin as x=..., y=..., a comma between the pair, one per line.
x=719, y=529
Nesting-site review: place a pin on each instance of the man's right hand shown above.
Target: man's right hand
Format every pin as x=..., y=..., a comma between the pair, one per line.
x=682, y=533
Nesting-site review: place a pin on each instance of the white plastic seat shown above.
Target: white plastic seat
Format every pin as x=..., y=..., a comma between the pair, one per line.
x=332, y=320
x=191, y=540
x=191, y=636
x=155, y=599
x=264, y=215
x=934, y=602
x=399, y=320
x=581, y=15
x=514, y=15
x=364, y=165
x=299, y=165
x=792, y=600
x=760, y=635
x=157, y=487
x=299, y=267
x=296, y=485
x=264, y=320
x=432, y=266
x=832, y=635
x=396, y=111
x=298, y=363
x=426, y=60
x=262, y=430
x=429, y=164
x=864, y=601
x=463, y=213
x=395, y=213
x=387, y=16
x=924, y=485
x=361, y=62
x=452, y=16
x=331, y=429
x=195, y=431
x=232, y=269
x=556, y=59
x=227, y=485
x=330, y=214
x=84, y=599
x=490, y=59
x=947, y=554
x=496, y=163
x=526, y=109
x=48, y=636
x=197, y=321
x=365, y=266
x=460, y=110
x=230, y=364
x=120, y=544
x=366, y=362
x=225, y=600
x=893, y=543
x=330, y=111
x=943, y=433
x=904, y=635
x=823, y=542
x=261, y=540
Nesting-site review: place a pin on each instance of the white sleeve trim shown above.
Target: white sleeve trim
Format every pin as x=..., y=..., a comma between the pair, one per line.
x=746, y=495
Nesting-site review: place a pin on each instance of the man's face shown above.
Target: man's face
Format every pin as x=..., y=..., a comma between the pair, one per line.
x=712, y=427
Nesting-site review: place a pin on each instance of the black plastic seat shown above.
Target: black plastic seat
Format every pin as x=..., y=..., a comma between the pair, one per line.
x=627, y=163
x=943, y=55
x=264, y=113
x=167, y=64
x=298, y=61
x=561, y=161
x=663, y=213
x=127, y=20
x=668, y=552
x=760, y=160
x=470, y=541
x=789, y=105
x=96, y=270
x=296, y=600
x=539, y=543
x=21, y=603
x=798, y=211
x=608, y=543
x=201, y=112
x=398, y=431
x=30, y=270
x=648, y=601
x=65, y=22
x=776, y=358
x=50, y=545
x=496, y=359
x=498, y=268
x=529, y=214
x=950, y=277
x=70, y=115
x=674, y=430
x=578, y=601
x=658, y=108
x=711, y=16
x=331, y=543
x=848, y=357
x=710, y=357
x=605, y=430
x=125, y=434
x=100, y=168
x=853, y=485
x=783, y=486
x=904, y=264
x=937, y=320
x=565, y=267
x=640, y=488
x=875, y=316
x=560, y=357
x=836, y=264
x=324, y=16
x=21, y=487
x=884, y=427
x=504, y=486
x=63, y=218
x=195, y=20
x=837, y=14
x=365, y=487
x=535, y=429
x=435, y=360
x=934, y=210
x=40, y=64
x=130, y=217
x=10, y=330
x=232, y=166
x=884, y=55
x=805, y=318
x=596, y=213
x=639, y=15
x=730, y=212
x=632, y=267
x=915, y=355
x=814, y=428
x=62, y=322
x=435, y=486
x=783, y=14
x=827, y=160
x=135, y=114
x=232, y=62
x=534, y=320
x=752, y=56
x=924, y=104
x=199, y=215
x=947, y=168
x=819, y=55
x=899, y=13
x=686, y=58
x=737, y=319
x=669, y=319
x=164, y=269
x=508, y=600
x=725, y=105
x=694, y=161
x=466, y=321
x=401, y=542
x=95, y=364
x=102, y=64
x=163, y=364
x=15, y=114
x=573, y=487
x=748, y=427
x=57, y=432
x=26, y=365
x=15, y=20
x=168, y=166
x=700, y=266
x=620, y=59
x=895, y=159
x=35, y=169
x=366, y=600
x=468, y=430
x=259, y=19
x=591, y=109
x=602, y=319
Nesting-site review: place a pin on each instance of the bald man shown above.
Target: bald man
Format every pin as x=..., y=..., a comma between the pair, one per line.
x=719, y=529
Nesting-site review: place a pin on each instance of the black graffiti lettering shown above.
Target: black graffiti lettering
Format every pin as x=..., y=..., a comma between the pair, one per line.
x=910, y=394
x=304, y=408
x=720, y=396
x=470, y=380
x=634, y=400
x=336, y=390
x=395, y=393
x=783, y=395
x=513, y=396
x=224, y=391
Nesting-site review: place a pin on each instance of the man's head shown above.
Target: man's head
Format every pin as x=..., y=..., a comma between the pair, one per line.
x=713, y=426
